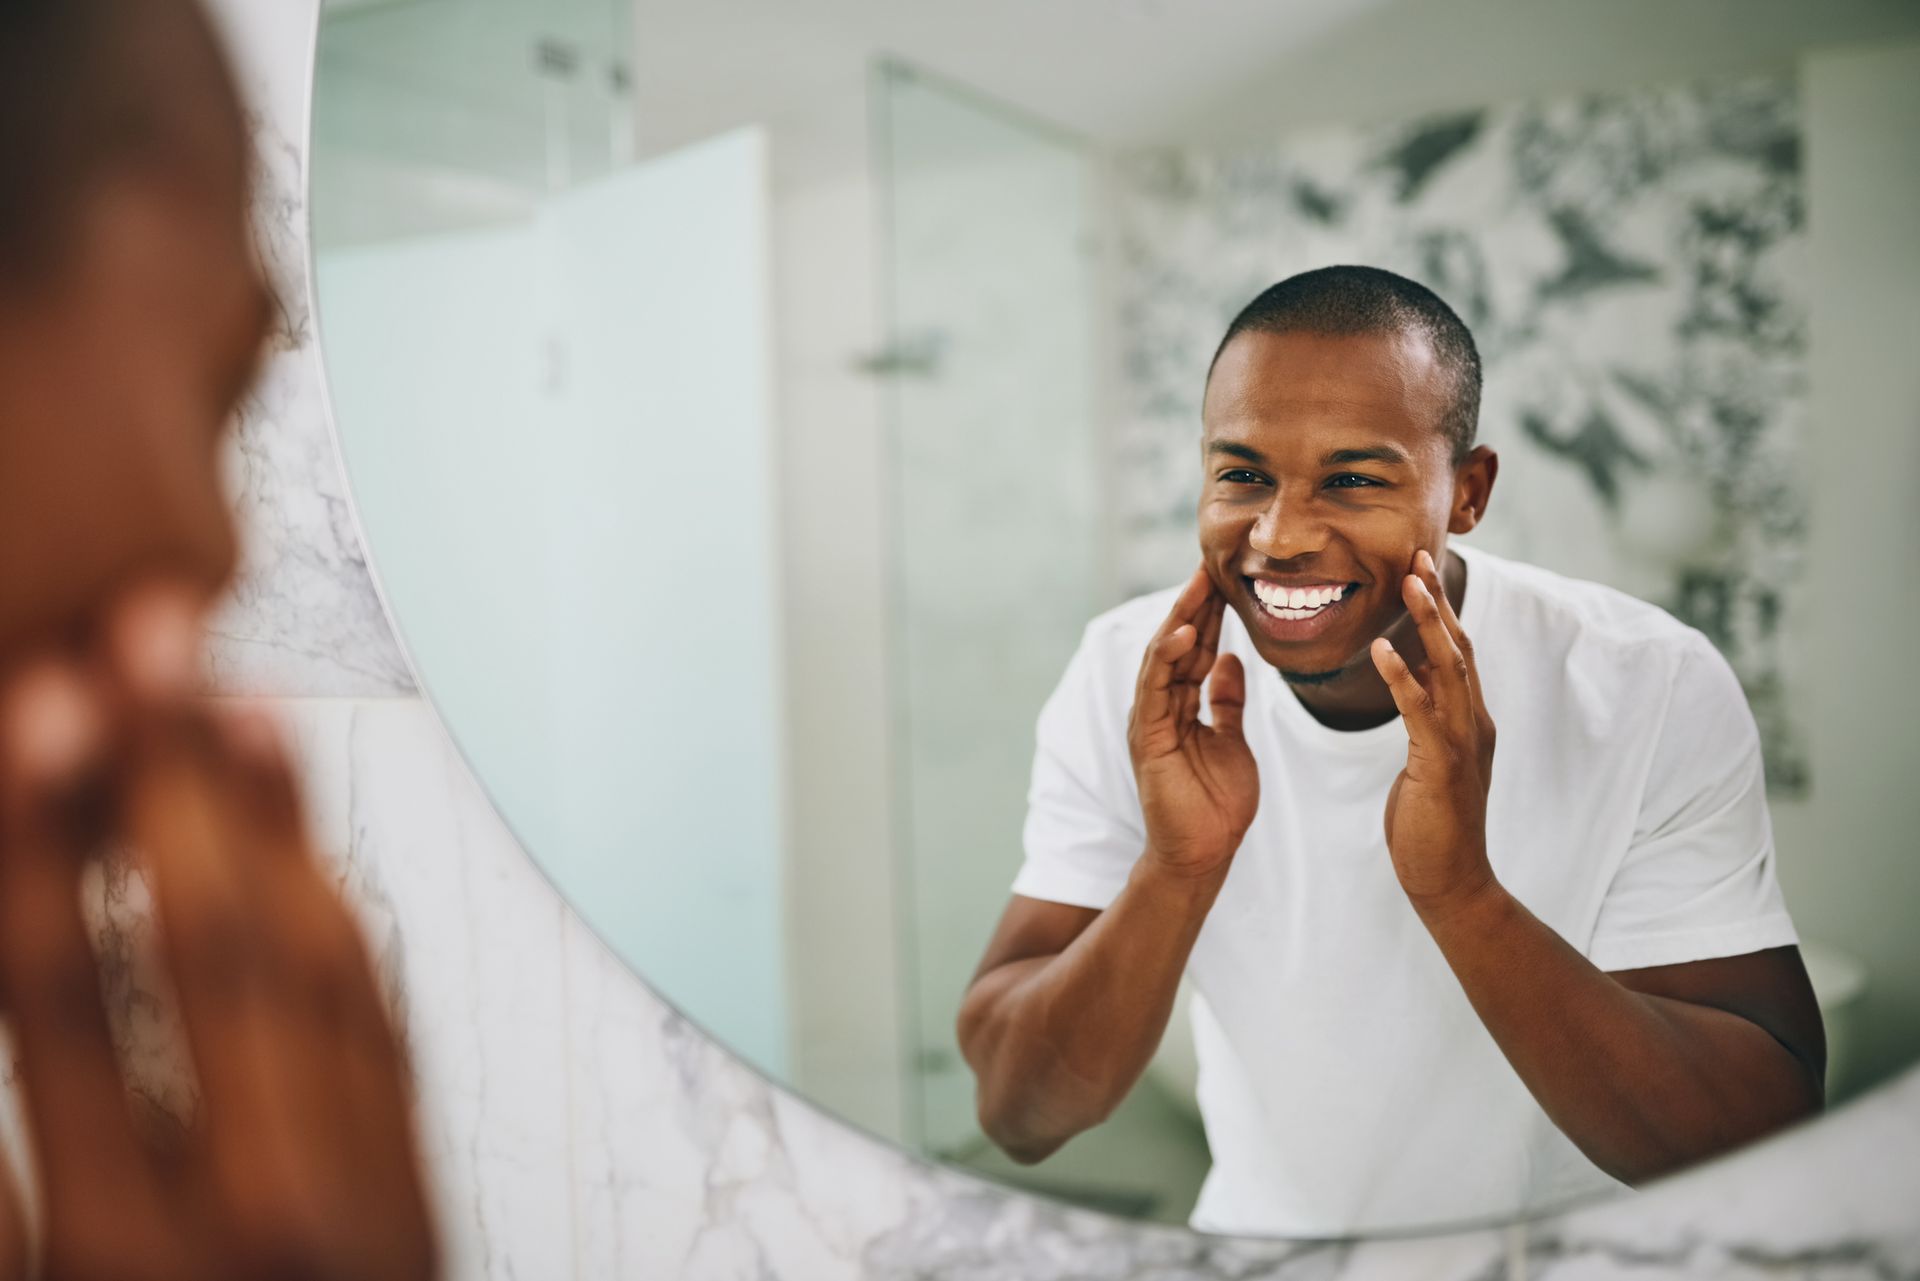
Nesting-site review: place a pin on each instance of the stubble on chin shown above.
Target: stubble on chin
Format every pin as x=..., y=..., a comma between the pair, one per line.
x=1311, y=678
x=1332, y=674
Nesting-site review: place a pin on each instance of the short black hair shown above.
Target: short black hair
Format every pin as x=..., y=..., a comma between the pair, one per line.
x=86, y=86
x=1368, y=300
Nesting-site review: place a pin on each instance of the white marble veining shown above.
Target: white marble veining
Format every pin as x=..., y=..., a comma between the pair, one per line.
x=304, y=618
x=468, y=938
x=577, y=1127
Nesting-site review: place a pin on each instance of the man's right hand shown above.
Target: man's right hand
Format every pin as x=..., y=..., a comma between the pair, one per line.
x=1069, y=1003
x=1199, y=786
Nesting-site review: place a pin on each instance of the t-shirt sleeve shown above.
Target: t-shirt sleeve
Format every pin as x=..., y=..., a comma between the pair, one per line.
x=1698, y=881
x=1084, y=830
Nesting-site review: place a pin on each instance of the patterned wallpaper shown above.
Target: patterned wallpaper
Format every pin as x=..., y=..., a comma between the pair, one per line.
x=1633, y=267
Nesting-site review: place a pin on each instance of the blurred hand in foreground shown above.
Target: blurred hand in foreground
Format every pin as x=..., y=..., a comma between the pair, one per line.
x=301, y=1160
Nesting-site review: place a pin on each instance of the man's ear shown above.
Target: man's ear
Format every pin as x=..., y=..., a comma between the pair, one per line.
x=1472, y=489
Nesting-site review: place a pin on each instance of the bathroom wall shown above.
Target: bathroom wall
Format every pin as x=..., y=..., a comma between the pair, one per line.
x=578, y=1128
x=1848, y=861
x=304, y=615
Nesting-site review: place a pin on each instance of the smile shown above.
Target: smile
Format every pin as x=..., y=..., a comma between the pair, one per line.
x=1295, y=603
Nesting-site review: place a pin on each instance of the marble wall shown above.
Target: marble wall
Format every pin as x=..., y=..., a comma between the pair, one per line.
x=304, y=616
x=1633, y=268
x=578, y=1127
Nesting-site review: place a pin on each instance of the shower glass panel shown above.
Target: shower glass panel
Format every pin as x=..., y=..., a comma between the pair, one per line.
x=990, y=288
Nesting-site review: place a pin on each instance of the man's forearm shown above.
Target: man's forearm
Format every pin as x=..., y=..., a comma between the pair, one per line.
x=1642, y=1084
x=1056, y=1042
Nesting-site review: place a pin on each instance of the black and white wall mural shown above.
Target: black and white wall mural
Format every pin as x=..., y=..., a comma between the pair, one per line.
x=1633, y=267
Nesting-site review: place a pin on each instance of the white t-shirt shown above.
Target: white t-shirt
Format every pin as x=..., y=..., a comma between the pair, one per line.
x=1345, y=1081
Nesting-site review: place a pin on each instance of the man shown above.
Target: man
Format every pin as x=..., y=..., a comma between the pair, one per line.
x=131, y=317
x=1430, y=983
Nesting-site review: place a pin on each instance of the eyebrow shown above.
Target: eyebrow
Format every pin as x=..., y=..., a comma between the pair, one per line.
x=1245, y=453
x=1371, y=454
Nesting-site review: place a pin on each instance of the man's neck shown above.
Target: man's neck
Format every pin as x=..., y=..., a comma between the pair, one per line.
x=1358, y=698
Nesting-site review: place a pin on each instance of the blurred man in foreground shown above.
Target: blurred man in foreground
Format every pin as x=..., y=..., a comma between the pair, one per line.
x=132, y=313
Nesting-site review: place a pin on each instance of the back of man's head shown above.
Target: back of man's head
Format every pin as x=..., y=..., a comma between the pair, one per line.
x=1369, y=300
x=90, y=89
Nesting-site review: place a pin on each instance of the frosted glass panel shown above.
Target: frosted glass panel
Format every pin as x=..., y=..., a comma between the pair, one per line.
x=557, y=434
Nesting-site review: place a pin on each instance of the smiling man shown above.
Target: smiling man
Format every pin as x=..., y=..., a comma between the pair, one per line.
x=1431, y=983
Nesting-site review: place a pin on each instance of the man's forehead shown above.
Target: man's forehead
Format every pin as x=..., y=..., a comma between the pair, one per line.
x=1301, y=378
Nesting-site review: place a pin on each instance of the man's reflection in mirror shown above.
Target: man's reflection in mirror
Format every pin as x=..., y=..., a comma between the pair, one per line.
x=1432, y=981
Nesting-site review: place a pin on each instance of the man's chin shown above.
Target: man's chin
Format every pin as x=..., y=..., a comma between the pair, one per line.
x=1323, y=668
x=1312, y=678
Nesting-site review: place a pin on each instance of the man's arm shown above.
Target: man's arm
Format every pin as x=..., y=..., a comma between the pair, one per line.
x=1070, y=1002
x=1645, y=1071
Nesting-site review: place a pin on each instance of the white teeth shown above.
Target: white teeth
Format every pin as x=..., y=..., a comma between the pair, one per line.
x=1296, y=602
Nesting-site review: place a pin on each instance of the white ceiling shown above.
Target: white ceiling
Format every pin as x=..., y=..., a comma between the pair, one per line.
x=1112, y=71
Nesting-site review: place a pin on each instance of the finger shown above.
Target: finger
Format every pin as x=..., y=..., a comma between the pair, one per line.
x=1437, y=586
x=1186, y=606
x=151, y=645
x=256, y=1148
x=90, y=1165
x=1449, y=687
x=1154, y=703
x=1227, y=694
x=1212, y=615
x=1193, y=669
x=1415, y=703
x=357, y=1086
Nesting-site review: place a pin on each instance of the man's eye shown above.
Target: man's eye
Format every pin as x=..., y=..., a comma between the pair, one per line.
x=1241, y=476
x=1348, y=480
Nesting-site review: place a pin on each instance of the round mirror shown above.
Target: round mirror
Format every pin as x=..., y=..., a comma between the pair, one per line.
x=783, y=429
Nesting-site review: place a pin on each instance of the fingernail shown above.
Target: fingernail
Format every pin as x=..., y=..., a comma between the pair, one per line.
x=53, y=725
x=156, y=643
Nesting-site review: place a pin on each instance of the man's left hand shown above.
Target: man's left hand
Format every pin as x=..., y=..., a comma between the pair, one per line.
x=1437, y=811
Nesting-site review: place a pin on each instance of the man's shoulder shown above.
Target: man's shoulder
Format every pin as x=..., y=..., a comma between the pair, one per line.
x=1108, y=658
x=1555, y=612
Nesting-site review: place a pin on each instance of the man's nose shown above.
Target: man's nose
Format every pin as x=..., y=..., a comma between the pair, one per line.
x=1288, y=528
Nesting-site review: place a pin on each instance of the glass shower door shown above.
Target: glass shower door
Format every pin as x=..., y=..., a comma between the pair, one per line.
x=990, y=286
